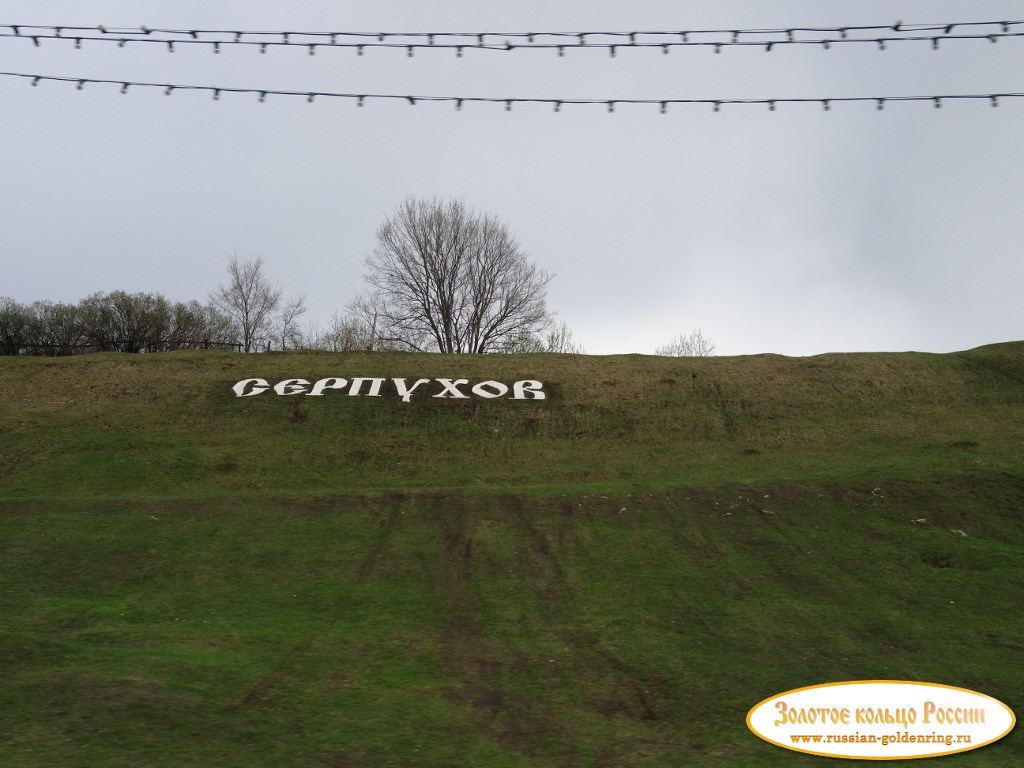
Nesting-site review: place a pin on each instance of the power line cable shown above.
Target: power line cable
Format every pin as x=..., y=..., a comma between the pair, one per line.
x=557, y=104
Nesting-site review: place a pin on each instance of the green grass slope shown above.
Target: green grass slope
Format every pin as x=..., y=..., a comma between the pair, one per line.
x=612, y=576
x=170, y=425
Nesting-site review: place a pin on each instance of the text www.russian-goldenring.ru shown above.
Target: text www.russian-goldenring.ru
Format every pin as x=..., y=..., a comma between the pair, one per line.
x=885, y=740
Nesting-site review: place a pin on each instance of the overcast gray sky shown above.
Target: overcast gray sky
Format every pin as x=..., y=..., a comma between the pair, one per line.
x=796, y=231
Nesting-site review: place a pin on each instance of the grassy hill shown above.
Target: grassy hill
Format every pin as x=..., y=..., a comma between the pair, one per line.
x=611, y=576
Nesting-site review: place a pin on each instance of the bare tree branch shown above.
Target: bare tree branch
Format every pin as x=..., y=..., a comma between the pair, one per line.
x=288, y=322
x=452, y=280
x=693, y=344
x=249, y=299
x=344, y=333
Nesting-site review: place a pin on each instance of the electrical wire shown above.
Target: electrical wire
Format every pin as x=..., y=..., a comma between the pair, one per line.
x=739, y=38
x=557, y=104
x=877, y=34
x=843, y=31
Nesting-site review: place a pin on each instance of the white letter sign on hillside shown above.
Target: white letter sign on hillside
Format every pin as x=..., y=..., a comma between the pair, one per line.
x=458, y=389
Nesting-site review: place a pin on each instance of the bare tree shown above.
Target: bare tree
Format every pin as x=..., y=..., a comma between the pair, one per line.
x=288, y=322
x=125, y=322
x=557, y=337
x=347, y=333
x=367, y=313
x=111, y=322
x=452, y=280
x=693, y=344
x=249, y=299
x=58, y=328
x=194, y=326
x=15, y=326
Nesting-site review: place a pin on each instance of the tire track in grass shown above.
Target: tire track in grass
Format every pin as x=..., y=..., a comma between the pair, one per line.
x=561, y=599
x=387, y=524
x=487, y=673
x=260, y=689
x=453, y=566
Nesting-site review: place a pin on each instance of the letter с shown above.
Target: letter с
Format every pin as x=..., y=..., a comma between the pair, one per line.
x=242, y=388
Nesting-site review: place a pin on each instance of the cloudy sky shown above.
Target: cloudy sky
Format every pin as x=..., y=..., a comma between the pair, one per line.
x=796, y=231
